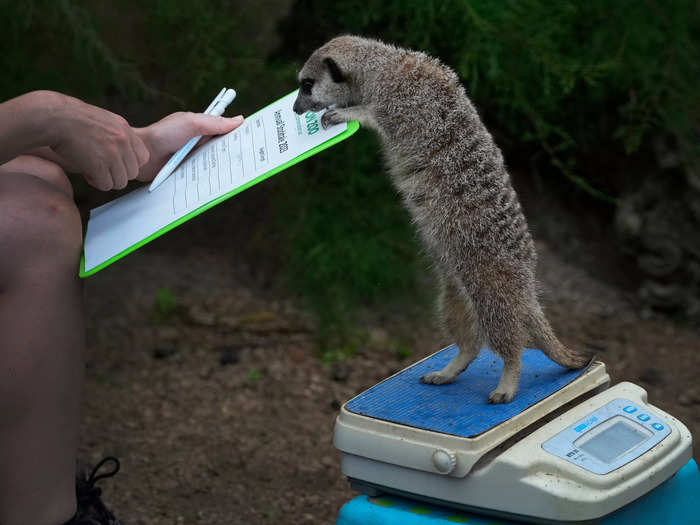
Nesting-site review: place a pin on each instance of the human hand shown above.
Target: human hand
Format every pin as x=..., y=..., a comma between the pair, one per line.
x=165, y=137
x=96, y=143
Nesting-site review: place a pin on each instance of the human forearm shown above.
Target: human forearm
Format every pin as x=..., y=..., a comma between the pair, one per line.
x=27, y=122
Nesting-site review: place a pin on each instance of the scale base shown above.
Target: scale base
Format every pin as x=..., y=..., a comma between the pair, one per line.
x=674, y=501
x=376, y=491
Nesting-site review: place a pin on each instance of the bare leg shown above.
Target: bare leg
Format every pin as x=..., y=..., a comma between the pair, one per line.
x=460, y=321
x=41, y=351
x=42, y=168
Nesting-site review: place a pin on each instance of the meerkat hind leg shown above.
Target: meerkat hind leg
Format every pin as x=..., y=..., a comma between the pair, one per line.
x=457, y=313
x=506, y=337
x=508, y=383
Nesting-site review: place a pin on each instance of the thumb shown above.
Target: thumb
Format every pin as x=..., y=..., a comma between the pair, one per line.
x=213, y=125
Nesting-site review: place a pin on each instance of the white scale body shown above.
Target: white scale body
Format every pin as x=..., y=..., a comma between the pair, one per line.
x=587, y=462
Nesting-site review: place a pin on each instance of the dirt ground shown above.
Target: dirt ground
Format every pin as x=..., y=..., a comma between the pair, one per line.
x=222, y=414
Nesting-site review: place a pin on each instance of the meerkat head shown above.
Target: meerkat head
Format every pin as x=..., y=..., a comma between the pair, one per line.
x=325, y=79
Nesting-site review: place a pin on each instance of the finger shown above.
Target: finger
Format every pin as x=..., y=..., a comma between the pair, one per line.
x=212, y=125
x=102, y=180
x=140, y=150
x=130, y=159
x=118, y=172
x=131, y=164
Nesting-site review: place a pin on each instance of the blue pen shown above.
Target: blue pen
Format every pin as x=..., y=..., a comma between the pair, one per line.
x=217, y=107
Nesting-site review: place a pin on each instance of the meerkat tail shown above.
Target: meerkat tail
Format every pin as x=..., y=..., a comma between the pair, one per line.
x=544, y=339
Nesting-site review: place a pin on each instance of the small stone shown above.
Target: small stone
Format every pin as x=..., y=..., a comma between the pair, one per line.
x=164, y=350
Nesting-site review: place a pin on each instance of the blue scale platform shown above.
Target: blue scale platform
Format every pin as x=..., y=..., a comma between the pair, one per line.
x=460, y=408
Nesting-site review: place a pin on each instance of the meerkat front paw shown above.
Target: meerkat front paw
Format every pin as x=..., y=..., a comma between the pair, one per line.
x=497, y=397
x=331, y=117
x=436, y=378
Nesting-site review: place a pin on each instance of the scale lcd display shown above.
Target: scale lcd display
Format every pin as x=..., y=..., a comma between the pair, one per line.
x=613, y=441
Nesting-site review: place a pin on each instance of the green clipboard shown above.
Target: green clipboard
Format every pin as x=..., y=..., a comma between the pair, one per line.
x=353, y=126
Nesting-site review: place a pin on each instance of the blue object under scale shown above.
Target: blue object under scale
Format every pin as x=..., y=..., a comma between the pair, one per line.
x=672, y=503
x=460, y=408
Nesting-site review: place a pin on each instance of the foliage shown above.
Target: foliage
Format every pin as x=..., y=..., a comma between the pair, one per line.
x=55, y=45
x=164, y=305
x=253, y=376
x=348, y=243
x=172, y=53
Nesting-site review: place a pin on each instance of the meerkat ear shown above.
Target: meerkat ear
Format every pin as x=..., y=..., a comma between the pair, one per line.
x=336, y=74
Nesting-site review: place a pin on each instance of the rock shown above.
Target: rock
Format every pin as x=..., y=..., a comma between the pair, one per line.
x=665, y=296
x=661, y=256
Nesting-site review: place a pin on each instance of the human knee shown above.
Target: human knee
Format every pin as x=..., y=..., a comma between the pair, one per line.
x=42, y=168
x=39, y=224
x=54, y=175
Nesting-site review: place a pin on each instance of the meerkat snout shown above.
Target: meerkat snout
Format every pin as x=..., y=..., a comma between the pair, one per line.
x=322, y=83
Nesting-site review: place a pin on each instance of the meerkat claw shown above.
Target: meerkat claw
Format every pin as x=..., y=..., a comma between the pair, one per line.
x=436, y=378
x=497, y=398
x=330, y=118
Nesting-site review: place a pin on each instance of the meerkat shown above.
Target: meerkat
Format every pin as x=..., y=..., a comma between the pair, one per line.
x=452, y=179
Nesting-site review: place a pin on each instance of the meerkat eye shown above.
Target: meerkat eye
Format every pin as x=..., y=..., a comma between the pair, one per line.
x=306, y=85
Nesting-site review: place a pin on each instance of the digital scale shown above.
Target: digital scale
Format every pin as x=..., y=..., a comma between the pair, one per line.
x=568, y=449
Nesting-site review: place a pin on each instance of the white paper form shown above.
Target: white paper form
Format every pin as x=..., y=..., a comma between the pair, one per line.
x=266, y=140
